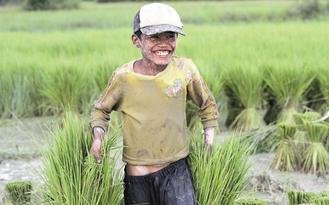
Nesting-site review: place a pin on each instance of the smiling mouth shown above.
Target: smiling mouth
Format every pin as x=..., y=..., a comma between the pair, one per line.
x=162, y=53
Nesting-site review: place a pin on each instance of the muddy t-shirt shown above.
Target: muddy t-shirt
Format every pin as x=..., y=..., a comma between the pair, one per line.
x=153, y=110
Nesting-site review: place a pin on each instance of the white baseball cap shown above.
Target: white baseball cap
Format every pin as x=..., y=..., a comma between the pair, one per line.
x=157, y=18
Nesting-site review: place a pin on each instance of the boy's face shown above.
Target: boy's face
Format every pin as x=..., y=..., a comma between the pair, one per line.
x=157, y=48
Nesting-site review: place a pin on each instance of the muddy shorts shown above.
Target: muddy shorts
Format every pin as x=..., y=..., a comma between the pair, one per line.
x=171, y=185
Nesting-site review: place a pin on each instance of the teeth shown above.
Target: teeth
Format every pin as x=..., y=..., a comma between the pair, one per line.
x=162, y=53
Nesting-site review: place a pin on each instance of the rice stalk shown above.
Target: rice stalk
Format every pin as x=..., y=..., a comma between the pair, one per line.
x=316, y=156
x=316, y=132
x=250, y=201
x=286, y=157
x=321, y=200
x=288, y=83
x=323, y=78
x=219, y=177
x=299, y=197
x=65, y=87
x=302, y=118
x=19, y=192
x=19, y=93
x=316, y=159
x=246, y=85
x=262, y=140
x=70, y=175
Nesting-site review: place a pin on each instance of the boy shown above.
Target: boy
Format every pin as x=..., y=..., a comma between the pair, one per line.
x=151, y=94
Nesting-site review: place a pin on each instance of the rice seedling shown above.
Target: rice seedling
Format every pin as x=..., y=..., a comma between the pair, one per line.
x=288, y=83
x=301, y=118
x=64, y=88
x=19, y=96
x=71, y=176
x=321, y=200
x=298, y=197
x=19, y=192
x=316, y=156
x=323, y=78
x=247, y=86
x=262, y=140
x=220, y=176
x=250, y=201
x=286, y=157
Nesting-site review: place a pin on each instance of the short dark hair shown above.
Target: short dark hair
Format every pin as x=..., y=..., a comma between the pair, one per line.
x=138, y=33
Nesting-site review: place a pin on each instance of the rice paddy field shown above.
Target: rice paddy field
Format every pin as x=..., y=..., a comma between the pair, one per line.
x=266, y=63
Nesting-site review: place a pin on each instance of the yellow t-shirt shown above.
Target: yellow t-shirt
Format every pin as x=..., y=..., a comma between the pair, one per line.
x=153, y=110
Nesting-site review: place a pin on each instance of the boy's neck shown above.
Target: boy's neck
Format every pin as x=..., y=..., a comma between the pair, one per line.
x=146, y=67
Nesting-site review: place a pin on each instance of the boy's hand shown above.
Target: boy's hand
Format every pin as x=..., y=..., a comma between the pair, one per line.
x=96, y=147
x=208, y=138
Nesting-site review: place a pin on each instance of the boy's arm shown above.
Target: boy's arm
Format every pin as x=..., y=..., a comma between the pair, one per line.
x=200, y=94
x=100, y=114
x=109, y=101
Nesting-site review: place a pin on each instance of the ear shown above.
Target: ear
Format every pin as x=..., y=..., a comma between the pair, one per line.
x=136, y=41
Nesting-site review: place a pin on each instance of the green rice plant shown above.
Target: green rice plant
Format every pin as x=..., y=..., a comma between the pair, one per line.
x=19, y=192
x=65, y=87
x=323, y=78
x=301, y=118
x=247, y=84
x=286, y=157
x=71, y=176
x=19, y=93
x=288, y=84
x=262, y=140
x=298, y=197
x=316, y=156
x=321, y=200
x=250, y=201
x=219, y=177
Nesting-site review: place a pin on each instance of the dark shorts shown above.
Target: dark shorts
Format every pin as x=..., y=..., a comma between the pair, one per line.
x=171, y=185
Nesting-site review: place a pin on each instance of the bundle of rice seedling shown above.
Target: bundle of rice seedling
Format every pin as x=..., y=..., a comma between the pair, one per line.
x=70, y=173
x=321, y=200
x=302, y=118
x=316, y=156
x=288, y=84
x=250, y=201
x=19, y=192
x=247, y=86
x=286, y=157
x=220, y=176
x=298, y=197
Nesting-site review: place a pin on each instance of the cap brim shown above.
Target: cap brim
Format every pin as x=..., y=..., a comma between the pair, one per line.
x=151, y=30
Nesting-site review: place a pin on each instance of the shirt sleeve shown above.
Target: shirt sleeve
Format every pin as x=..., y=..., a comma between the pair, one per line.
x=109, y=101
x=200, y=94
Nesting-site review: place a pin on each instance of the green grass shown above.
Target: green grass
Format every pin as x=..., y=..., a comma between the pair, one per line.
x=108, y=16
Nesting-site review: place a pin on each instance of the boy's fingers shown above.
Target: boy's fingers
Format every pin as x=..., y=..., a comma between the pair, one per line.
x=97, y=155
x=208, y=148
x=98, y=158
